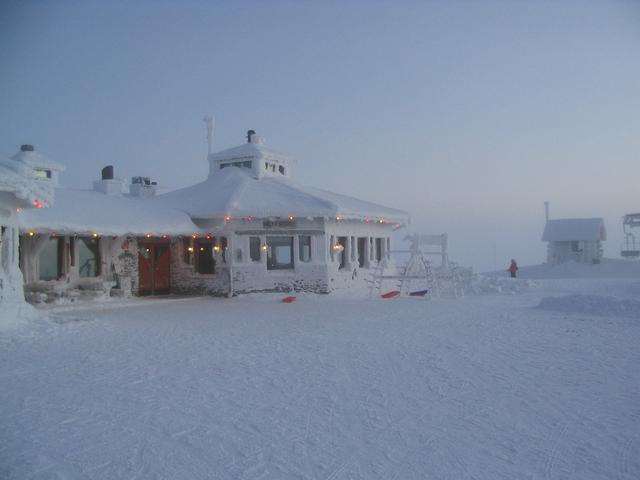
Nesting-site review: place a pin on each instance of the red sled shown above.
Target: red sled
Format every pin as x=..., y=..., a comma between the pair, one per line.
x=288, y=299
x=391, y=294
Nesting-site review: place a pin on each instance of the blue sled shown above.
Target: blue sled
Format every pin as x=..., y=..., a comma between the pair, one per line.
x=419, y=293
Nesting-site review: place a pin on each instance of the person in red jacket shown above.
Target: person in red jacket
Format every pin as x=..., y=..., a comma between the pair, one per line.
x=513, y=268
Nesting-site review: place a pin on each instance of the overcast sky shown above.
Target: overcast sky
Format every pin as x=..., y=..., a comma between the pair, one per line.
x=467, y=115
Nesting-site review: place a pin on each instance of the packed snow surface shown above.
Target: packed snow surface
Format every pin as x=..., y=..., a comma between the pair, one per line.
x=484, y=387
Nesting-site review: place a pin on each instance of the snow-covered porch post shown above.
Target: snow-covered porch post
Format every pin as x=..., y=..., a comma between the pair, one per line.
x=231, y=259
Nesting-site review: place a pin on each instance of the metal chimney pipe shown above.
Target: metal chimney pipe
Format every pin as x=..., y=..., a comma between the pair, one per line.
x=546, y=211
x=250, y=133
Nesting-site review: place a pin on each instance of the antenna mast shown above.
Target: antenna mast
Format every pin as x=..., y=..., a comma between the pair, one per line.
x=209, y=120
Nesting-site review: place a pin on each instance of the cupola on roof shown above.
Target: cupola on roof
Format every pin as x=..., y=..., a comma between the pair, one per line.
x=253, y=156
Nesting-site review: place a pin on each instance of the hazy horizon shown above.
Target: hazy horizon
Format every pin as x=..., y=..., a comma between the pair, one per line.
x=469, y=115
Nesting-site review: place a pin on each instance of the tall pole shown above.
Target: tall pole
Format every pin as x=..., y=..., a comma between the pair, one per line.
x=495, y=258
x=546, y=211
x=209, y=120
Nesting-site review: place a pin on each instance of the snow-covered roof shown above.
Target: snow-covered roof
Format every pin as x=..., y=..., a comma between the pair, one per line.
x=574, y=229
x=17, y=179
x=235, y=192
x=35, y=159
x=88, y=211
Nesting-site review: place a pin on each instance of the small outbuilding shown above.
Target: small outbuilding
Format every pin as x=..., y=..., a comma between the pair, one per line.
x=574, y=239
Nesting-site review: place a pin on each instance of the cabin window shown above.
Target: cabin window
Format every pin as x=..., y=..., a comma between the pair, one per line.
x=223, y=248
x=362, y=242
x=378, y=249
x=254, y=249
x=246, y=164
x=388, y=251
x=342, y=255
x=224, y=165
x=304, y=248
x=38, y=173
x=279, y=253
x=205, y=263
x=372, y=249
x=281, y=169
x=331, y=251
x=88, y=257
x=4, y=247
x=72, y=251
x=352, y=248
x=50, y=260
x=575, y=247
x=187, y=251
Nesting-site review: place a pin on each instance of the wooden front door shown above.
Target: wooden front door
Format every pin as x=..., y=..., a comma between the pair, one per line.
x=153, y=268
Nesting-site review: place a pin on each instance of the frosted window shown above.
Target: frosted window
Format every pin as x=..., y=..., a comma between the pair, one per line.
x=304, y=244
x=42, y=173
x=279, y=253
x=342, y=256
x=254, y=249
x=88, y=257
x=362, y=242
x=50, y=260
x=206, y=265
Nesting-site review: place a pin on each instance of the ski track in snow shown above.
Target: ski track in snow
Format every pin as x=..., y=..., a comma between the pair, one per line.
x=486, y=387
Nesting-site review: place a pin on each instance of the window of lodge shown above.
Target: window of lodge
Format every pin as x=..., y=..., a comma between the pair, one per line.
x=304, y=248
x=205, y=263
x=254, y=249
x=279, y=253
x=88, y=257
x=50, y=259
x=342, y=254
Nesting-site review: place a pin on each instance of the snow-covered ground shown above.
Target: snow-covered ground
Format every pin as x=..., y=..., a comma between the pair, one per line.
x=495, y=386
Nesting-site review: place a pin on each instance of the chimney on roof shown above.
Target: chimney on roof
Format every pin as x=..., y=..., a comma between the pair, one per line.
x=250, y=134
x=107, y=172
x=142, y=187
x=26, y=148
x=546, y=211
x=108, y=184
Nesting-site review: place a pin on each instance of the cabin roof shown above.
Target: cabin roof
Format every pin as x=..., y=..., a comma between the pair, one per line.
x=236, y=193
x=574, y=229
x=88, y=211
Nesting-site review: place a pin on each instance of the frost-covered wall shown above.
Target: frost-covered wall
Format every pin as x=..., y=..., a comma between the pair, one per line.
x=367, y=248
x=186, y=280
x=11, y=289
x=342, y=254
x=577, y=251
x=124, y=266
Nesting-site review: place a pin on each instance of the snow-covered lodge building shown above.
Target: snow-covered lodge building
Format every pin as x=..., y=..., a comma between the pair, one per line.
x=248, y=227
x=574, y=239
x=26, y=181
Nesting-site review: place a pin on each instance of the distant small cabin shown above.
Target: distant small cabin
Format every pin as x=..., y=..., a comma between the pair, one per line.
x=574, y=239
